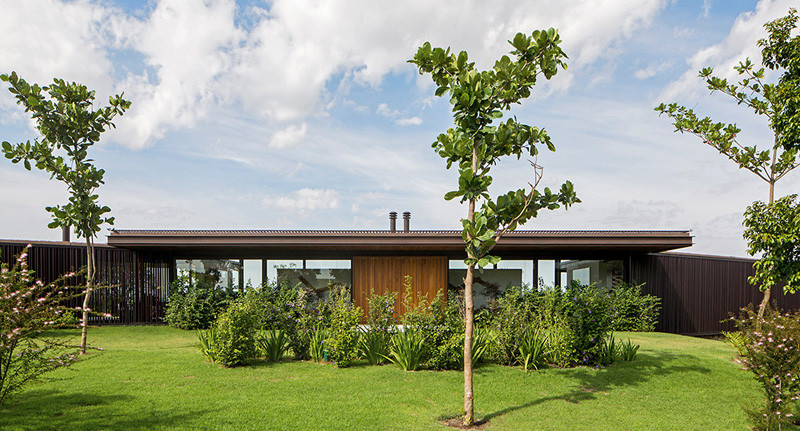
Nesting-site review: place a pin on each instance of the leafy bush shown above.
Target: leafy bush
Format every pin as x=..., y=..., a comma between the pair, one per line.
x=574, y=320
x=628, y=350
x=532, y=348
x=771, y=351
x=375, y=339
x=407, y=349
x=737, y=340
x=272, y=344
x=316, y=348
x=27, y=307
x=374, y=346
x=513, y=316
x=194, y=302
x=235, y=335
x=208, y=343
x=607, y=351
x=342, y=344
x=632, y=310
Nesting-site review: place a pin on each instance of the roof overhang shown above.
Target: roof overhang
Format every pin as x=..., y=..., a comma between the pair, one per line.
x=330, y=244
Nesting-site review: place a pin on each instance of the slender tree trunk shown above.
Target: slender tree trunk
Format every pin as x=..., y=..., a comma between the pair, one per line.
x=90, y=269
x=768, y=290
x=469, y=398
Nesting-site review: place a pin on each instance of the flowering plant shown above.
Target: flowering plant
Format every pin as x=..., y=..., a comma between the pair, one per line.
x=27, y=307
x=771, y=351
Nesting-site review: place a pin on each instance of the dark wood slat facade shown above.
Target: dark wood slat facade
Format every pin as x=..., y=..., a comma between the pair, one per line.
x=382, y=275
x=699, y=292
x=136, y=282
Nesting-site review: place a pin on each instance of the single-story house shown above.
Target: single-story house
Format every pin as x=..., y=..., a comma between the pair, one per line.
x=697, y=292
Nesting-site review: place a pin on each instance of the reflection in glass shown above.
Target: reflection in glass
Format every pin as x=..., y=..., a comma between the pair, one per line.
x=491, y=283
x=317, y=275
x=220, y=273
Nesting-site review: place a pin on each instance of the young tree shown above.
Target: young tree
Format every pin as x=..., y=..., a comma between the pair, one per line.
x=774, y=231
x=475, y=145
x=69, y=126
x=778, y=102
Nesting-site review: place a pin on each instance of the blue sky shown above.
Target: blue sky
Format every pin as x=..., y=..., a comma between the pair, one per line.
x=306, y=114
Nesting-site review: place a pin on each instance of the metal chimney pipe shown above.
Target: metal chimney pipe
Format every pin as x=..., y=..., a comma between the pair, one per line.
x=406, y=221
x=393, y=221
x=65, y=233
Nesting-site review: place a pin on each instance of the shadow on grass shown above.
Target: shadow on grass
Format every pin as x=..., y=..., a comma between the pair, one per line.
x=51, y=410
x=620, y=375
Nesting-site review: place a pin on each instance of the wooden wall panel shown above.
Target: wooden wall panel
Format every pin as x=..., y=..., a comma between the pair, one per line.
x=387, y=274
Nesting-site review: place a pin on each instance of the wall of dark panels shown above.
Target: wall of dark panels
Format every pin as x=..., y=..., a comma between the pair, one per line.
x=699, y=292
x=134, y=285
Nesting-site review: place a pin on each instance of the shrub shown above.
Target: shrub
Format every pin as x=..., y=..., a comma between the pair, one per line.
x=737, y=340
x=194, y=302
x=574, y=320
x=374, y=344
x=27, y=307
x=272, y=344
x=628, y=350
x=342, y=344
x=607, y=351
x=533, y=349
x=513, y=315
x=235, y=335
x=771, y=351
x=316, y=348
x=208, y=343
x=407, y=349
x=632, y=310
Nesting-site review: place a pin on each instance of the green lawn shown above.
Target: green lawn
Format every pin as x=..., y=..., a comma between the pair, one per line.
x=154, y=378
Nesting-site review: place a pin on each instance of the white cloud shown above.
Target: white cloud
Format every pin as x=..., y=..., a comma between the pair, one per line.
x=48, y=38
x=411, y=121
x=739, y=44
x=188, y=46
x=304, y=201
x=652, y=70
x=289, y=136
x=195, y=57
x=383, y=110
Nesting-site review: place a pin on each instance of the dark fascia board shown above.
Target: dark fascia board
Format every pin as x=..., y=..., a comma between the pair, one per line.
x=519, y=241
x=41, y=243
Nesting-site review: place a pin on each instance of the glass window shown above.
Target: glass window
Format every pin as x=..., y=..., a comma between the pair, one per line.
x=221, y=273
x=253, y=273
x=605, y=273
x=547, y=273
x=491, y=283
x=278, y=270
x=317, y=275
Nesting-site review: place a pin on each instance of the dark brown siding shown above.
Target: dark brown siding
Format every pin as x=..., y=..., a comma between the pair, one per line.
x=386, y=274
x=135, y=284
x=699, y=292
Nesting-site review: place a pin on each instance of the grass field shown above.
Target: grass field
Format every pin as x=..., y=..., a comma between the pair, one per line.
x=154, y=378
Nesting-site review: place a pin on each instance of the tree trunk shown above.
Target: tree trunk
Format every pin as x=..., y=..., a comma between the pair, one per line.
x=768, y=290
x=469, y=416
x=87, y=295
x=469, y=398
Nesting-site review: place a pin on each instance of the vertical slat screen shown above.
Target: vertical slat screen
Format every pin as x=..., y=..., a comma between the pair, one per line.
x=135, y=285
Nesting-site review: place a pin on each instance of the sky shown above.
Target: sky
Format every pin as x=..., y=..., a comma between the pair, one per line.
x=305, y=114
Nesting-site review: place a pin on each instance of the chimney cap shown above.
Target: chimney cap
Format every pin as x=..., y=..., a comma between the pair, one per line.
x=393, y=214
x=406, y=214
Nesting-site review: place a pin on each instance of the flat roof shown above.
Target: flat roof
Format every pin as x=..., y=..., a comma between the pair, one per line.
x=348, y=243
